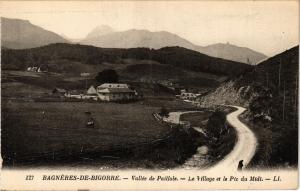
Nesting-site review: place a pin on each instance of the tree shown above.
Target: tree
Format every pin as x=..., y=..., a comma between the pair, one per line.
x=164, y=112
x=107, y=76
x=216, y=123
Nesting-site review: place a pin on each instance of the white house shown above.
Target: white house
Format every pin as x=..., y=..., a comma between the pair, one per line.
x=91, y=94
x=32, y=69
x=35, y=69
x=112, y=85
x=106, y=92
x=188, y=96
x=115, y=92
x=92, y=91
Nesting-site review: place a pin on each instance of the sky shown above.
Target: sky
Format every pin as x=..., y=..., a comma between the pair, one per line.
x=269, y=27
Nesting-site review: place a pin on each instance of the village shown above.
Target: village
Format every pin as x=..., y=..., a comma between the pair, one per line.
x=115, y=92
x=112, y=91
x=105, y=92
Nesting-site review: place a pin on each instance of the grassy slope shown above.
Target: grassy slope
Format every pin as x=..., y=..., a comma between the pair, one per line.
x=22, y=84
x=172, y=63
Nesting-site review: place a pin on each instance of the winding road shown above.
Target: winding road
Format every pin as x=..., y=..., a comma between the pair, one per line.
x=244, y=148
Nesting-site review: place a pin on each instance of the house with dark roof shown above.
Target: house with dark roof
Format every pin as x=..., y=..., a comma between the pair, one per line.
x=59, y=91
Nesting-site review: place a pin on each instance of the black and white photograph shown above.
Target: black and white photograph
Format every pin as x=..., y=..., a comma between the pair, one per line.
x=150, y=86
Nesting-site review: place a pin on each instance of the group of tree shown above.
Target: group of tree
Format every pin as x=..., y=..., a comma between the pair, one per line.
x=107, y=76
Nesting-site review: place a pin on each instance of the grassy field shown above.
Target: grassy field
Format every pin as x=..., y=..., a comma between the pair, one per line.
x=127, y=134
x=29, y=136
x=26, y=132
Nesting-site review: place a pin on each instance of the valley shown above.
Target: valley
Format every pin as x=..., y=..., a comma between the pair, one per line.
x=29, y=106
x=160, y=74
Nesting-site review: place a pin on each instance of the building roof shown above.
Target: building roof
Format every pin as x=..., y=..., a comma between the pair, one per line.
x=112, y=85
x=60, y=90
x=92, y=90
x=116, y=90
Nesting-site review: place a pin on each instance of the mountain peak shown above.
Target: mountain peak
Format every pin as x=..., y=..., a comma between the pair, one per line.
x=20, y=34
x=100, y=31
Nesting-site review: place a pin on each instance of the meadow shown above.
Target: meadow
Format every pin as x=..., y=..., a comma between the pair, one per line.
x=37, y=130
x=27, y=132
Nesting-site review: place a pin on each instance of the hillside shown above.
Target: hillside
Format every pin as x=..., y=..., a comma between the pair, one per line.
x=21, y=34
x=175, y=64
x=270, y=92
x=105, y=37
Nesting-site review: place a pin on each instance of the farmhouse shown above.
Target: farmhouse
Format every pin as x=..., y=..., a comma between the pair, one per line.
x=36, y=69
x=115, y=92
x=59, y=91
x=32, y=69
x=105, y=92
x=112, y=85
x=187, y=95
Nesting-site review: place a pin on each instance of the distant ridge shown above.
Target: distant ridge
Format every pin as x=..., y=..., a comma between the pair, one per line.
x=143, y=38
x=233, y=52
x=99, y=31
x=21, y=34
x=137, y=38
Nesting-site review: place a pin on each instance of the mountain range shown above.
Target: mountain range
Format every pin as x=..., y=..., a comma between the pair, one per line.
x=144, y=38
x=21, y=34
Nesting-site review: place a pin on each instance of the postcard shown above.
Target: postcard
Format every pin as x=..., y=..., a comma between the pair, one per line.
x=149, y=95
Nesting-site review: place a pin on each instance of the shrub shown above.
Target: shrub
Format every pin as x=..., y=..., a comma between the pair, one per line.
x=164, y=112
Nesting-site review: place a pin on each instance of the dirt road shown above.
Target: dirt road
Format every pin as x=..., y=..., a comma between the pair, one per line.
x=245, y=146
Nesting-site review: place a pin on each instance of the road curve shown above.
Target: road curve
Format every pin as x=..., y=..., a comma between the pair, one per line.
x=174, y=117
x=245, y=146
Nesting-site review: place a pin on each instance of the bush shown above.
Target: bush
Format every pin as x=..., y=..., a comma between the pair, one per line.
x=164, y=112
x=216, y=124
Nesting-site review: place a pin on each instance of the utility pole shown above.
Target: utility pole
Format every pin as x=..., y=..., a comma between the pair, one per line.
x=86, y=83
x=283, y=104
x=267, y=74
x=279, y=74
x=85, y=75
x=296, y=101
